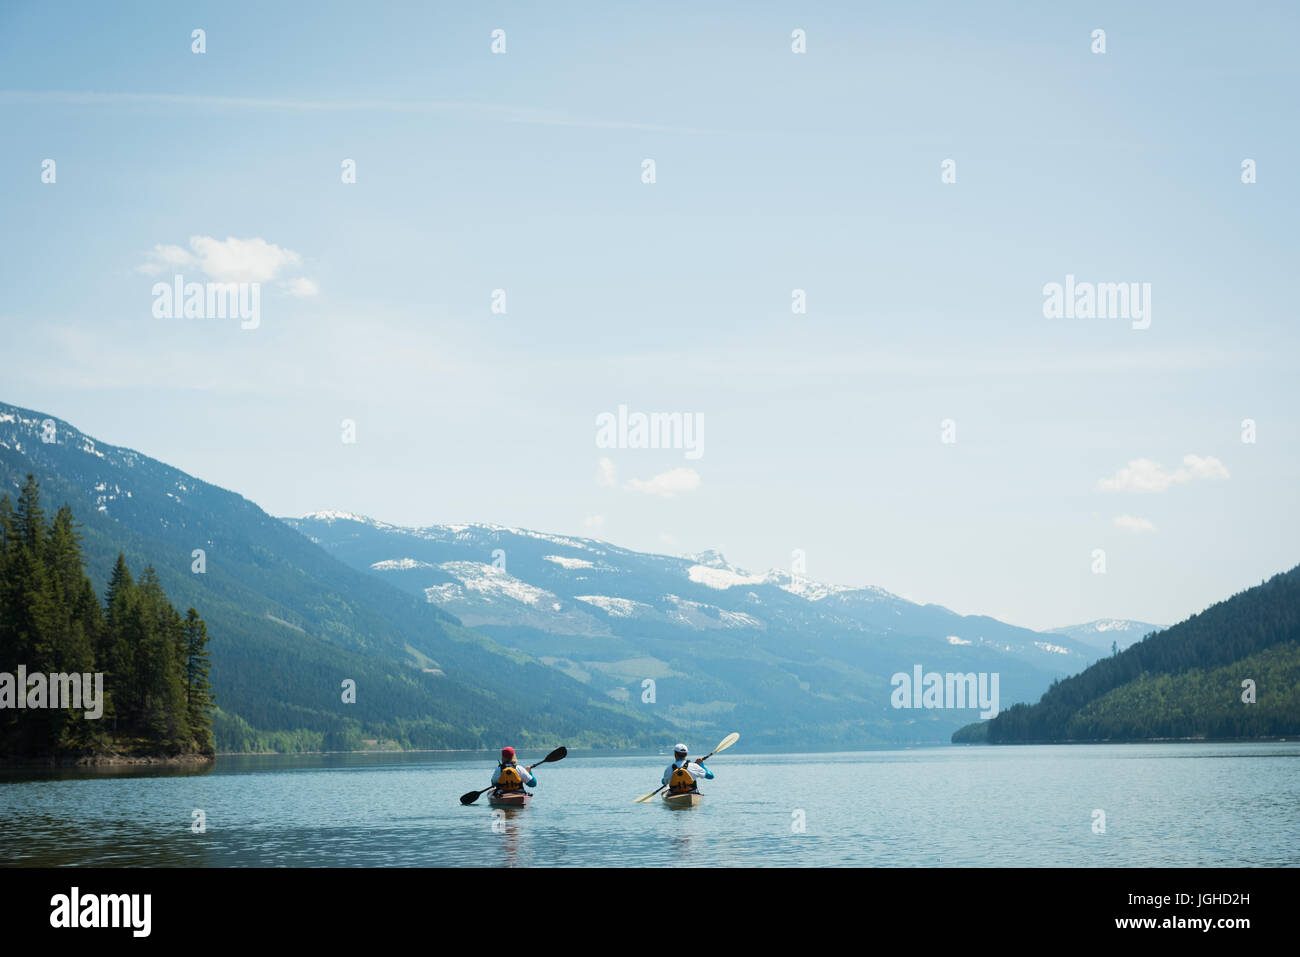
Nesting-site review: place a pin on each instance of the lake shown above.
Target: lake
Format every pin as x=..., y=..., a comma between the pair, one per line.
x=1184, y=805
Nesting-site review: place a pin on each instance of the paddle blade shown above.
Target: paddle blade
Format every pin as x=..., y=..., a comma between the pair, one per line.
x=555, y=755
x=727, y=742
x=642, y=800
x=469, y=797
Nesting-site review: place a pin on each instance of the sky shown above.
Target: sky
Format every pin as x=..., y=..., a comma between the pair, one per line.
x=923, y=426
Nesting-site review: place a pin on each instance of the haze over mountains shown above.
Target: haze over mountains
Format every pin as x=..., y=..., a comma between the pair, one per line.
x=554, y=639
x=1105, y=632
x=771, y=650
x=289, y=624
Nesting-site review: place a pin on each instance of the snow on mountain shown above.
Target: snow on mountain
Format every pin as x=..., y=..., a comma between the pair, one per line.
x=560, y=585
x=1054, y=649
x=489, y=582
x=616, y=607
x=721, y=578
x=334, y=515
x=611, y=616
x=699, y=615
x=569, y=563
x=1103, y=632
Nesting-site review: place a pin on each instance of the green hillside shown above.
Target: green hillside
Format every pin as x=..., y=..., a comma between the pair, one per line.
x=288, y=623
x=1184, y=682
x=149, y=693
x=1201, y=703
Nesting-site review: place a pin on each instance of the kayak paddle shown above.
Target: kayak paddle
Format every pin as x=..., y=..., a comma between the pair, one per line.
x=725, y=743
x=469, y=797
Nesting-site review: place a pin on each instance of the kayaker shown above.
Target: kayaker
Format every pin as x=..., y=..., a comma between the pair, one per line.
x=509, y=776
x=682, y=775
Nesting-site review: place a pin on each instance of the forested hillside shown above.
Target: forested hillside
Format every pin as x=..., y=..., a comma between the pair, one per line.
x=153, y=697
x=290, y=624
x=1231, y=671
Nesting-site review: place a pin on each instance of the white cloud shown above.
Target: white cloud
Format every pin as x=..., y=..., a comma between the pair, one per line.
x=1131, y=523
x=301, y=287
x=1203, y=468
x=667, y=484
x=228, y=260
x=1144, y=475
x=165, y=256
x=594, y=522
x=606, y=475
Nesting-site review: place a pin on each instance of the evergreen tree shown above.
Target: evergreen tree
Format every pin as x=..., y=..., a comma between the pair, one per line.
x=31, y=520
x=158, y=695
x=198, y=689
x=155, y=664
x=32, y=614
x=8, y=611
x=114, y=652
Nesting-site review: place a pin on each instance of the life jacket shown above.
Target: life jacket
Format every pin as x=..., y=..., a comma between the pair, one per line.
x=681, y=781
x=510, y=779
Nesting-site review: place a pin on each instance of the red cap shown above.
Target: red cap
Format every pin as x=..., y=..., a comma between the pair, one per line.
x=507, y=753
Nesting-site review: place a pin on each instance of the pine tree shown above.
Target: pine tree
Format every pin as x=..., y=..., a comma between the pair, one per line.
x=31, y=520
x=32, y=615
x=8, y=612
x=159, y=694
x=198, y=690
x=113, y=653
x=155, y=664
x=74, y=621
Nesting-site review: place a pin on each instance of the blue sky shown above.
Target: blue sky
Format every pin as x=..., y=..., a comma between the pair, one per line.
x=774, y=172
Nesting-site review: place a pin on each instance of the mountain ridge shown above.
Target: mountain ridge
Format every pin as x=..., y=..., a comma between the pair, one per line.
x=615, y=617
x=289, y=623
x=1229, y=671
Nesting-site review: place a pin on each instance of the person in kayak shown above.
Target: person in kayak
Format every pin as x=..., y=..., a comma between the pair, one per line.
x=509, y=776
x=682, y=775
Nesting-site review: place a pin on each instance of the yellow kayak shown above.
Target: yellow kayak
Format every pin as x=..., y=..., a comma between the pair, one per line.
x=688, y=799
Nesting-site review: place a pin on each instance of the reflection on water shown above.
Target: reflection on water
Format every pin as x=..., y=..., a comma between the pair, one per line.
x=1177, y=805
x=103, y=771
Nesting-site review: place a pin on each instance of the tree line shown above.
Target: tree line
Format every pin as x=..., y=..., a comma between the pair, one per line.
x=1185, y=681
x=157, y=698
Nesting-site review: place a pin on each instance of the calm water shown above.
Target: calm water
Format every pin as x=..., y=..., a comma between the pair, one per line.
x=1175, y=804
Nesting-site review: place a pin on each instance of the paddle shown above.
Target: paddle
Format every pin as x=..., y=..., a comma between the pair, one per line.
x=469, y=797
x=725, y=743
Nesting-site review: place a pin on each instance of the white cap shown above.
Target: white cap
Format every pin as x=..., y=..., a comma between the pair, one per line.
x=680, y=749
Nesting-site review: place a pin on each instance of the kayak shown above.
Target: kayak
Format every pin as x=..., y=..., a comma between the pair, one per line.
x=689, y=799
x=509, y=799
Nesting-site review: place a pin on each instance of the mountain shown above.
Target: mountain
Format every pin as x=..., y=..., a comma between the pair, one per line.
x=1100, y=634
x=790, y=660
x=289, y=623
x=1231, y=671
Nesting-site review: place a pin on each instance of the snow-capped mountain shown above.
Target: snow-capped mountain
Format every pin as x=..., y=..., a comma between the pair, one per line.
x=713, y=636
x=288, y=622
x=1103, y=632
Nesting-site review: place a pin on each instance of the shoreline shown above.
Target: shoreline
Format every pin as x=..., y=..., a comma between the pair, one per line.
x=913, y=746
x=107, y=759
